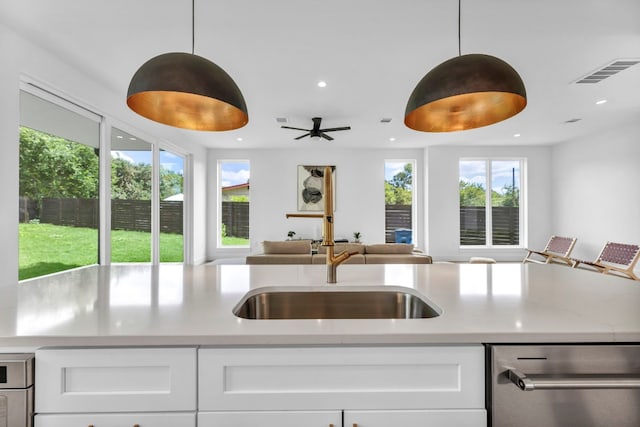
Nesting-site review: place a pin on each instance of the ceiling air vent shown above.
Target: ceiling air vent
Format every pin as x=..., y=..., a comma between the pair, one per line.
x=281, y=119
x=608, y=70
x=385, y=120
x=572, y=120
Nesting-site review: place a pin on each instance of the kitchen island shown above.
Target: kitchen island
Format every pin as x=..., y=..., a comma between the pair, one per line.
x=160, y=345
x=174, y=304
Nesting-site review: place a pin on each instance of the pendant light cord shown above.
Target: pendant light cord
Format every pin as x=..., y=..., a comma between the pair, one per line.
x=459, y=48
x=193, y=26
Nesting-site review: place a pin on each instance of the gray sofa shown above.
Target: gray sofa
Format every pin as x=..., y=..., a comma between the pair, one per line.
x=301, y=252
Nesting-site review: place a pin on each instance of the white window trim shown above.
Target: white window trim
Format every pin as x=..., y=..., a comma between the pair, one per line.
x=488, y=214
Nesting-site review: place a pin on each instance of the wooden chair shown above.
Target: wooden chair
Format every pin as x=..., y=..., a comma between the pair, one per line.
x=557, y=250
x=617, y=258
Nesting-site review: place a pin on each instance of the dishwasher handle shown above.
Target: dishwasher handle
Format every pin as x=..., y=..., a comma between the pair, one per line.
x=560, y=382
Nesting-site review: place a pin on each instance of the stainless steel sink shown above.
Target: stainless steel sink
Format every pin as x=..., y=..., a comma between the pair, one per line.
x=335, y=302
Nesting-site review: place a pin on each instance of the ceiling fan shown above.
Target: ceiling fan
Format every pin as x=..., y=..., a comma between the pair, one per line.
x=316, y=132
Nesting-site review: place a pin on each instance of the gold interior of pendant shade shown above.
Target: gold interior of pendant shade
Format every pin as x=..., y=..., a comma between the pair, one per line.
x=187, y=110
x=468, y=111
x=187, y=91
x=465, y=92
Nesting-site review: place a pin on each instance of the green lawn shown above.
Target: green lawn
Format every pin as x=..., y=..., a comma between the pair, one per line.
x=234, y=241
x=46, y=248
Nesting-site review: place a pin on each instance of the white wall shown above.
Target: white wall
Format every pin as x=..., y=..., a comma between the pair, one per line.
x=359, y=193
x=21, y=59
x=596, y=189
x=443, y=219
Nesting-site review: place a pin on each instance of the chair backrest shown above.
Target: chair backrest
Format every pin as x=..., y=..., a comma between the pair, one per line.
x=619, y=253
x=560, y=245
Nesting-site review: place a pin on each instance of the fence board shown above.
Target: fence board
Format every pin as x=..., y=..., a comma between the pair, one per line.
x=396, y=217
x=235, y=217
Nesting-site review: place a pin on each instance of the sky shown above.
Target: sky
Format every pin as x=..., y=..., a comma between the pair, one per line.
x=474, y=171
x=234, y=172
x=168, y=160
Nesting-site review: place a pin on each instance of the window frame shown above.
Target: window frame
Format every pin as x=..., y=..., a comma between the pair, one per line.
x=522, y=201
x=414, y=193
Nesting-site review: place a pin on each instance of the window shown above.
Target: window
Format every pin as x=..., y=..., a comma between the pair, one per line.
x=490, y=218
x=398, y=195
x=131, y=178
x=233, y=185
x=59, y=185
x=171, y=207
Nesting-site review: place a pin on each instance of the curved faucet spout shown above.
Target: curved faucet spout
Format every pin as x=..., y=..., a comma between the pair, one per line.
x=333, y=261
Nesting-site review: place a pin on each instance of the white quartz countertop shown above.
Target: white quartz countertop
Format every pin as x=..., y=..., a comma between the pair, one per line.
x=192, y=305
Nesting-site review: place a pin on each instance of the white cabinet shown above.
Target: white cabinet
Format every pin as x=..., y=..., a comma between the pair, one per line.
x=374, y=386
x=271, y=419
x=117, y=420
x=116, y=387
x=433, y=417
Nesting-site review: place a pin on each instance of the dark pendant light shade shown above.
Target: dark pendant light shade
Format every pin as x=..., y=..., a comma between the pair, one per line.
x=187, y=91
x=465, y=92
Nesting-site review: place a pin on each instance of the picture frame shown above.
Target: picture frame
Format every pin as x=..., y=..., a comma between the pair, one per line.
x=311, y=188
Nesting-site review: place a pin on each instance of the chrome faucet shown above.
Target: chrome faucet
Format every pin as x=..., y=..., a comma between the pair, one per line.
x=333, y=260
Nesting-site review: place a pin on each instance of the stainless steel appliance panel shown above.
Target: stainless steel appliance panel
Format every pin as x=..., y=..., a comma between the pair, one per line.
x=16, y=390
x=564, y=385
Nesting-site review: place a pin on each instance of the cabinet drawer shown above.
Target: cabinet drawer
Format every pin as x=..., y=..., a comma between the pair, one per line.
x=344, y=378
x=117, y=420
x=115, y=380
x=441, y=418
x=270, y=419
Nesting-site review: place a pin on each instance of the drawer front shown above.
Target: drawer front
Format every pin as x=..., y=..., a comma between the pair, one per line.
x=344, y=378
x=116, y=380
x=271, y=419
x=116, y=420
x=440, y=418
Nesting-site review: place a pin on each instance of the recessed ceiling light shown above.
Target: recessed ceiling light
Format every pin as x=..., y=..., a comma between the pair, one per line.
x=516, y=135
x=392, y=139
x=132, y=138
x=322, y=83
x=602, y=101
x=239, y=139
x=119, y=136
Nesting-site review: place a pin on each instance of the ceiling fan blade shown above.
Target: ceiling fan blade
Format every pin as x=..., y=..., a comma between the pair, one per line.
x=327, y=137
x=335, y=129
x=316, y=123
x=302, y=136
x=289, y=127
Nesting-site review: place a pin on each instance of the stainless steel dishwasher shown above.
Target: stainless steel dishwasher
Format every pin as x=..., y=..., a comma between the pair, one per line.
x=564, y=385
x=16, y=390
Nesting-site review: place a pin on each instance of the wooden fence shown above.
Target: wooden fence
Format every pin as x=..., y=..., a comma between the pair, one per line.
x=396, y=217
x=235, y=217
x=130, y=215
x=506, y=225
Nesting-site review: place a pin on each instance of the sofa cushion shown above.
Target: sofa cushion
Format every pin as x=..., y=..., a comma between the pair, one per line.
x=287, y=247
x=279, y=259
x=397, y=259
x=341, y=247
x=389, y=248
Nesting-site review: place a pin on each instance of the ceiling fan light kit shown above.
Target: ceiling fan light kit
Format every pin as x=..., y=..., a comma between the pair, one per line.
x=187, y=91
x=465, y=92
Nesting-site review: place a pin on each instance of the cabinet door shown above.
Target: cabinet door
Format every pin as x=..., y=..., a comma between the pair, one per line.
x=115, y=380
x=116, y=420
x=325, y=378
x=270, y=419
x=440, y=418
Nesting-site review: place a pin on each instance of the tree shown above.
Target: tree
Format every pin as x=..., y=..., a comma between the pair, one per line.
x=51, y=166
x=397, y=190
x=472, y=194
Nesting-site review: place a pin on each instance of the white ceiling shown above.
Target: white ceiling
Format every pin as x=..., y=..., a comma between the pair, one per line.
x=370, y=53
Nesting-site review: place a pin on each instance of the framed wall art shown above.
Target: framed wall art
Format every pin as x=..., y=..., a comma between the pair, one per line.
x=311, y=188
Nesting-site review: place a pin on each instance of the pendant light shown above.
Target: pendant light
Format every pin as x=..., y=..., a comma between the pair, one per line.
x=187, y=91
x=465, y=92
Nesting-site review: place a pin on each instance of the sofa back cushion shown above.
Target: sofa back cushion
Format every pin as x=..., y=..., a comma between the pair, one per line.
x=287, y=247
x=341, y=247
x=389, y=248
